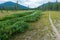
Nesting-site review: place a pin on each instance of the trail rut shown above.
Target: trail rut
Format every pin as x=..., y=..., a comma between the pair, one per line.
x=54, y=28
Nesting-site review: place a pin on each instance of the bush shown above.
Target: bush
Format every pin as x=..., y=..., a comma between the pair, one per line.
x=33, y=17
x=16, y=15
x=6, y=32
x=29, y=18
x=15, y=25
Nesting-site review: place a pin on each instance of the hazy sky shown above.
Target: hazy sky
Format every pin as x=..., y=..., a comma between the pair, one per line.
x=30, y=3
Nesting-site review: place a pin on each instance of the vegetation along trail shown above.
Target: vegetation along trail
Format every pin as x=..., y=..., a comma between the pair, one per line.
x=45, y=28
x=54, y=28
x=39, y=30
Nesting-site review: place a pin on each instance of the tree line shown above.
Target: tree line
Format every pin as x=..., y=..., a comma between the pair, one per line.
x=50, y=6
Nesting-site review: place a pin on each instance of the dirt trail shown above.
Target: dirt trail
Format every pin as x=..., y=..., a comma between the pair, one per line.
x=41, y=30
x=54, y=28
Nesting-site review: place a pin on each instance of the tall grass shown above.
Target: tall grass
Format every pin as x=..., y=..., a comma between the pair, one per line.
x=6, y=32
x=16, y=15
x=17, y=23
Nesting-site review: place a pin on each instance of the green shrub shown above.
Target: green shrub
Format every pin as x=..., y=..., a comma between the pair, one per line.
x=29, y=18
x=18, y=24
x=16, y=15
x=6, y=32
x=33, y=17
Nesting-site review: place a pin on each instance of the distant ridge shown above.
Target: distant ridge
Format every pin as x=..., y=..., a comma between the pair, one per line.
x=50, y=6
x=11, y=5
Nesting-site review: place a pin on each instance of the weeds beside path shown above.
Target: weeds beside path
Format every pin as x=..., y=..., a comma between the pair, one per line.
x=41, y=30
x=54, y=28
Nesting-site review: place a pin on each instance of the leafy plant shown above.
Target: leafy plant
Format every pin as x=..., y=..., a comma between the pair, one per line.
x=6, y=32
x=16, y=15
x=29, y=18
x=17, y=24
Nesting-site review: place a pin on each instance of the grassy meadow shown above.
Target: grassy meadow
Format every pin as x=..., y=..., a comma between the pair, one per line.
x=28, y=25
x=16, y=22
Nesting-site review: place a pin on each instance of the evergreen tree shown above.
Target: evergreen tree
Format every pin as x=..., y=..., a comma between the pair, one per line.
x=16, y=5
x=1, y=9
x=7, y=8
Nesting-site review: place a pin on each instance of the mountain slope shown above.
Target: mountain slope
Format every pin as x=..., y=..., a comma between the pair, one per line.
x=11, y=5
x=50, y=6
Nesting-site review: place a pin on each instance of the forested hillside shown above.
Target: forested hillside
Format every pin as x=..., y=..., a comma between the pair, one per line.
x=11, y=6
x=50, y=6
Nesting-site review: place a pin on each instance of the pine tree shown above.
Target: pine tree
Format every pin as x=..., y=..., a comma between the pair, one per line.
x=7, y=8
x=1, y=9
x=16, y=5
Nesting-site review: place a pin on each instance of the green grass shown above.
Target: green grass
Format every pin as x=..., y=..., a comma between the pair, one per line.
x=56, y=19
x=18, y=27
x=16, y=15
x=29, y=20
x=16, y=23
x=43, y=24
x=4, y=13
